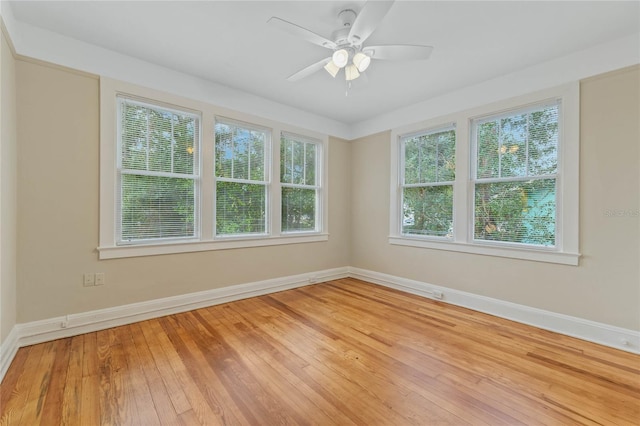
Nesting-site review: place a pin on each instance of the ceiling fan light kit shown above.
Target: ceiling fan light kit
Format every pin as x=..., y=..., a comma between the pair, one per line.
x=332, y=68
x=361, y=61
x=340, y=58
x=351, y=72
x=347, y=43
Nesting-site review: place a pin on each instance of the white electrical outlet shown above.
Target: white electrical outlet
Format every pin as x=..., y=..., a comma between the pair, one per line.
x=89, y=280
x=99, y=278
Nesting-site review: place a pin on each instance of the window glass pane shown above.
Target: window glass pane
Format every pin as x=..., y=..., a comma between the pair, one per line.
x=513, y=146
x=298, y=209
x=240, y=208
x=297, y=168
x=154, y=139
x=446, y=156
x=156, y=207
x=518, y=145
x=430, y=158
x=240, y=153
x=428, y=210
x=224, y=150
x=184, y=136
x=412, y=161
x=519, y=212
x=134, y=141
x=257, y=158
x=543, y=142
x=488, y=145
x=160, y=140
x=310, y=164
x=285, y=160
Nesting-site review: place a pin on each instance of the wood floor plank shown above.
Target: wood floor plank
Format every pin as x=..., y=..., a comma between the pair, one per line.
x=11, y=410
x=90, y=413
x=337, y=353
x=162, y=403
x=41, y=377
x=72, y=394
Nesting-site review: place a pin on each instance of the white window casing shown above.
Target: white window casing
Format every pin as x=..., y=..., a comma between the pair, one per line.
x=564, y=249
x=204, y=236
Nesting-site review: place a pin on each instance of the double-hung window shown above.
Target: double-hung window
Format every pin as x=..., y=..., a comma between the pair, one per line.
x=157, y=173
x=428, y=174
x=515, y=176
x=501, y=180
x=300, y=181
x=179, y=175
x=242, y=178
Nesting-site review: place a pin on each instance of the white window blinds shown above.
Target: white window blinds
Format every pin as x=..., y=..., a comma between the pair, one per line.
x=516, y=164
x=241, y=170
x=157, y=173
x=300, y=183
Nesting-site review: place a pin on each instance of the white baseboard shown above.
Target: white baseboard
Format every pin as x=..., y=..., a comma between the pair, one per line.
x=608, y=335
x=86, y=322
x=74, y=324
x=8, y=350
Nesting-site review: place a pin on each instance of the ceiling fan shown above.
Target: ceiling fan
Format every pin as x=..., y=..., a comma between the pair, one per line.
x=349, y=53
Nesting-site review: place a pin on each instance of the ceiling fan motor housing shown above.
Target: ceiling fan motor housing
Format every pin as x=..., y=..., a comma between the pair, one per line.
x=341, y=36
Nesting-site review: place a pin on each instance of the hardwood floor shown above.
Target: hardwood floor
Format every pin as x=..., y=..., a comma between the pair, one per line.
x=343, y=352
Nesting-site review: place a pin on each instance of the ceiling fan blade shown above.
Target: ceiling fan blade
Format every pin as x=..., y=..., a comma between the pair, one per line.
x=305, y=72
x=303, y=33
x=399, y=52
x=367, y=20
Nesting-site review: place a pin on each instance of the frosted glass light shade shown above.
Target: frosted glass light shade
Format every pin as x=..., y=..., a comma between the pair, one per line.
x=351, y=72
x=340, y=58
x=332, y=68
x=361, y=61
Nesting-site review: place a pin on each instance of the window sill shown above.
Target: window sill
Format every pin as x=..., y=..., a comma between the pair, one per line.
x=510, y=252
x=116, y=252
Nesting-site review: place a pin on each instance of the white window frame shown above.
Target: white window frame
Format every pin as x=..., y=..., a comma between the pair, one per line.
x=318, y=187
x=566, y=250
x=108, y=247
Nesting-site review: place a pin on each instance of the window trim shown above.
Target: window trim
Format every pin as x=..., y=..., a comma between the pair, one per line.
x=567, y=243
x=108, y=249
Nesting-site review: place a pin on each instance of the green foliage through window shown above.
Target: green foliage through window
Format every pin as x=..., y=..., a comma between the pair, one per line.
x=516, y=166
x=299, y=161
x=428, y=175
x=157, y=173
x=241, y=179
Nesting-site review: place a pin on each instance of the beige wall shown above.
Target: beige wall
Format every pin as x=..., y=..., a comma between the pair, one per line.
x=605, y=287
x=8, y=203
x=58, y=124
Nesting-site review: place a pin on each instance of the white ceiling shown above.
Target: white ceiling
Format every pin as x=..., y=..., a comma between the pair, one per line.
x=230, y=43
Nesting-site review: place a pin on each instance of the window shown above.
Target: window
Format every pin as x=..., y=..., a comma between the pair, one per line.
x=502, y=180
x=427, y=182
x=299, y=180
x=179, y=175
x=242, y=178
x=516, y=175
x=157, y=172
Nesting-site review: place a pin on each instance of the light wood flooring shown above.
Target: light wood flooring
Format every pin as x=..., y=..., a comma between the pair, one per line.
x=338, y=353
